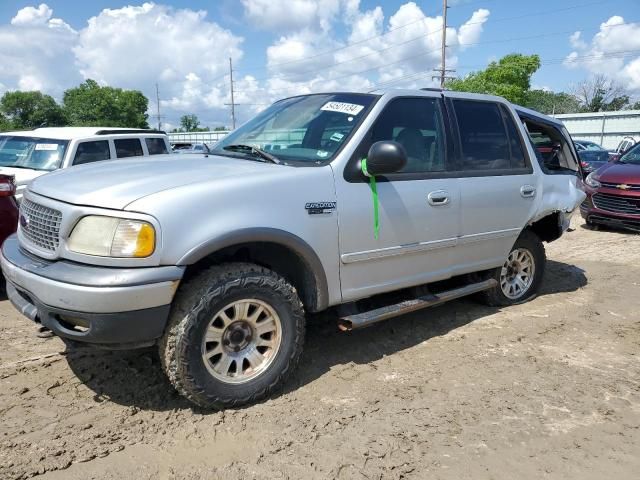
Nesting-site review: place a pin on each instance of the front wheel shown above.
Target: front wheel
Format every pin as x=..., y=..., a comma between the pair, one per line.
x=520, y=276
x=235, y=334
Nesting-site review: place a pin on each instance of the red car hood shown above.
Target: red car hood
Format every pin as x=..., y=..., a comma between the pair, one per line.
x=615, y=172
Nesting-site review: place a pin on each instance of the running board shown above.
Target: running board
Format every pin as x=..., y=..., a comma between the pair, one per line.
x=364, y=319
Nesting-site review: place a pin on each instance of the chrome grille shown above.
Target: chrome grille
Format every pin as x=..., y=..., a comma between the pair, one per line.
x=630, y=186
x=40, y=225
x=617, y=204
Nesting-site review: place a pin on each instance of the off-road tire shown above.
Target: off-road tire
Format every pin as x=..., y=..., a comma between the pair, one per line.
x=195, y=304
x=495, y=297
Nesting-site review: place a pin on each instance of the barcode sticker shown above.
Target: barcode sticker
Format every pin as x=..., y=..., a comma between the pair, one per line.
x=47, y=146
x=341, y=107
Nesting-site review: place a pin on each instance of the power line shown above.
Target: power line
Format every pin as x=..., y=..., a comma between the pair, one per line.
x=334, y=64
x=427, y=52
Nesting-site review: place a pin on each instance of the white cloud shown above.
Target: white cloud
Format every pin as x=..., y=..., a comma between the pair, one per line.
x=612, y=51
x=35, y=52
x=291, y=14
x=33, y=16
x=409, y=43
x=318, y=45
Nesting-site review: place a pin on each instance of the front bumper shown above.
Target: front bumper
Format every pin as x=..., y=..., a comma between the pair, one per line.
x=592, y=214
x=87, y=303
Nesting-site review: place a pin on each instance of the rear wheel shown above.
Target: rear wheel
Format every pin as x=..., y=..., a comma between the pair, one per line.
x=235, y=334
x=520, y=276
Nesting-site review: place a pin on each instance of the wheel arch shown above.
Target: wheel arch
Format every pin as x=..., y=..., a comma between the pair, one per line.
x=549, y=227
x=278, y=250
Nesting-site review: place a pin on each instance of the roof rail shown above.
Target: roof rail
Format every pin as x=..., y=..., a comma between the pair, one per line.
x=432, y=89
x=125, y=131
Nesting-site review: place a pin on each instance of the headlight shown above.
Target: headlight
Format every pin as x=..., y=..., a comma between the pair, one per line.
x=113, y=237
x=591, y=181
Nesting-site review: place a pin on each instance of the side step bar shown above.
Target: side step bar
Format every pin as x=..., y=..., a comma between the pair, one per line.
x=359, y=320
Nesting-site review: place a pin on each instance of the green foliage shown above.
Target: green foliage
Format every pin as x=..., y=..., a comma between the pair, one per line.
x=551, y=103
x=27, y=110
x=189, y=123
x=89, y=104
x=509, y=77
x=4, y=124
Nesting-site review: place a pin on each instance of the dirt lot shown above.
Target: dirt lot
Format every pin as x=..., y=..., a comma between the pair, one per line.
x=550, y=389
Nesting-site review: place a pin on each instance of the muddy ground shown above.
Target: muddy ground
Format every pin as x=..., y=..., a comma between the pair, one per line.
x=550, y=389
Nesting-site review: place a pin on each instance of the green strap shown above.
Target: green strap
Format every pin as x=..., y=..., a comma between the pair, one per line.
x=374, y=197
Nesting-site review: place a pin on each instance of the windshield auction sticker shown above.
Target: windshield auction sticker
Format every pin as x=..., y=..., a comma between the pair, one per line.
x=341, y=107
x=47, y=146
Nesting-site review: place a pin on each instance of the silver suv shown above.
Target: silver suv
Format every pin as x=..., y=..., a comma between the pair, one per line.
x=371, y=204
x=28, y=154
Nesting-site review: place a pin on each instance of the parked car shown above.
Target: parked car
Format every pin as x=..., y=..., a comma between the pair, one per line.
x=613, y=193
x=29, y=154
x=375, y=205
x=592, y=156
x=195, y=148
x=625, y=144
x=8, y=211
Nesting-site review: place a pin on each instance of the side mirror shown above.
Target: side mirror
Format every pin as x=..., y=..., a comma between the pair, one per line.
x=386, y=157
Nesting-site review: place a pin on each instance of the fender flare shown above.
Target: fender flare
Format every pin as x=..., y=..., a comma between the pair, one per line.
x=268, y=235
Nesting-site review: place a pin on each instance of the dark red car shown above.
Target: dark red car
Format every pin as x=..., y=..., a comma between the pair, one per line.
x=613, y=193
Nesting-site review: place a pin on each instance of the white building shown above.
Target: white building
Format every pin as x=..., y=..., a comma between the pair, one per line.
x=605, y=128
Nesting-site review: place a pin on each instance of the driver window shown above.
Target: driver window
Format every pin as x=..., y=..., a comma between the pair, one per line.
x=415, y=123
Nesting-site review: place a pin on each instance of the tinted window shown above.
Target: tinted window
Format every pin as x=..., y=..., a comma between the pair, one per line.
x=416, y=123
x=484, y=141
x=88, y=152
x=156, y=146
x=128, y=147
x=515, y=145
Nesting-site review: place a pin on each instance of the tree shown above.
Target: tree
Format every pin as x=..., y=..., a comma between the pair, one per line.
x=4, y=124
x=551, y=103
x=189, y=122
x=600, y=94
x=27, y=110
x=509, y=77
x=89, y=104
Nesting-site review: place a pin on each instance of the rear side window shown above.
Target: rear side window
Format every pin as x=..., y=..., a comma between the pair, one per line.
x=88, y=152
x=128, y=147
x=483, y=137
x=156, y=146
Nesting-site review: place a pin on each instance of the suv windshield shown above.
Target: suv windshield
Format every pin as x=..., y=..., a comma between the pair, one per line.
x=632, y=156
x=308, y=129
x=31, y=152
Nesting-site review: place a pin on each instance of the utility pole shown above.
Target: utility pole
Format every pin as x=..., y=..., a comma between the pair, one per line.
x=233, y=104
x=443, y=61
x=158, y=107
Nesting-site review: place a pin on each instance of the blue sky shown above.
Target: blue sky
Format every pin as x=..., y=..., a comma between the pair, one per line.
x=184, y=45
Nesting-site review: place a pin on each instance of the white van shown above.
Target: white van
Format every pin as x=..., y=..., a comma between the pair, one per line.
x=29, y=154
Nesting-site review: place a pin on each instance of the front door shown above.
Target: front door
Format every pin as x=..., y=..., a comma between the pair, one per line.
x=419, y=207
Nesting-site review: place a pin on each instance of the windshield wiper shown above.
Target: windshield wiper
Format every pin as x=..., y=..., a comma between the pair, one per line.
x=254, y=151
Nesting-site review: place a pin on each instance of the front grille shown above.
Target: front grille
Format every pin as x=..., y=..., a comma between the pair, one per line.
x=629, y=186
x=617, y=204
x=40, y=225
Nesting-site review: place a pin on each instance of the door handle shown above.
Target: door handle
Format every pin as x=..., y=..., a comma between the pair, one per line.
x=528, y=191
x=438, y=198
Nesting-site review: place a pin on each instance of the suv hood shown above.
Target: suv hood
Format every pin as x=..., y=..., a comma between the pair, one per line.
x=23, y=175
x=615, y=172
x=115, y=184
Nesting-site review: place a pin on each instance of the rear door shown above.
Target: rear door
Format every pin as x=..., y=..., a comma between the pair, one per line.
x=497, y=185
